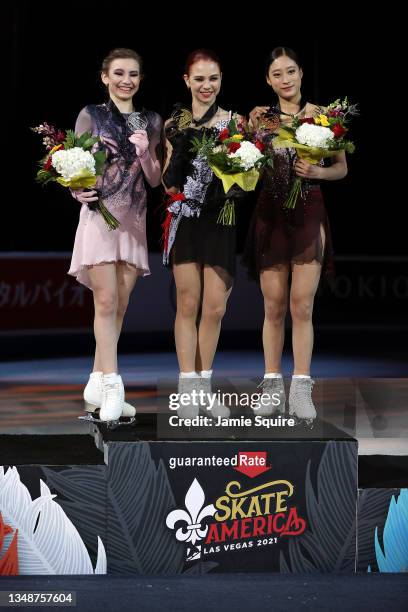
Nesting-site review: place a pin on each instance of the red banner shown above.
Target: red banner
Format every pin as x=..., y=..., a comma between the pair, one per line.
x=37, y=294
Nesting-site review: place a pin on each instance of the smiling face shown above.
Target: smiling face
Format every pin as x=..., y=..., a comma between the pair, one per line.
x=204, y=81
x=285, y=77
x=122, y=79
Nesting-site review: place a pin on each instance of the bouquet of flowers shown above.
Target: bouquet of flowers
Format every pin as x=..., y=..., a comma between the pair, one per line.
x=235, y=157
x=317, y=137
x=73, y=162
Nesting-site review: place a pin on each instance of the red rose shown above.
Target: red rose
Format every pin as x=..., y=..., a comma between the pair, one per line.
x=175, y=197
x=47, y=164
x=260, y=145
x=307, y=120
x=224, y=134
x=233, y=146
x=338, y=130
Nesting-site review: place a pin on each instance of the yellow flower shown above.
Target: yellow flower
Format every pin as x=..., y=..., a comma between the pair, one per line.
x=323, y=121
x=237, y=137
x=55, y=149
x=317, y=120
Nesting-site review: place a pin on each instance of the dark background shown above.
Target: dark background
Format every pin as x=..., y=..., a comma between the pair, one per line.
x=53, y=71
x=51, y=61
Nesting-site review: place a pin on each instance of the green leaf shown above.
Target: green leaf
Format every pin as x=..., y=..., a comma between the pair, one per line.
x=197, y=145
x=204, y=145
x=43, y=160
x=225, y=164
x=44, y=177
x=232, y=126
x=100, y=158
x=89, y=143
x=81, y=140
x=70, y=139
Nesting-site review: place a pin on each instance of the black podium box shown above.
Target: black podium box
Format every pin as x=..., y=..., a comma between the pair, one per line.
x=123, y=502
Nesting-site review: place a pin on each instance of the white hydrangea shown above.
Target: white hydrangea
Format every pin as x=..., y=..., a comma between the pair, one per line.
x=70, y=162
x=248, y=154
x=314, y=135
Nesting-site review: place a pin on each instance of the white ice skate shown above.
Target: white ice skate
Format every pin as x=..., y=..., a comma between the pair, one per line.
x=301, y=406
x=94, y=400
x=274, y=399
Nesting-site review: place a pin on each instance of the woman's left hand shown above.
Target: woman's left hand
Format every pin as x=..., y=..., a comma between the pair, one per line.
x=140, y=140
x=306, y=170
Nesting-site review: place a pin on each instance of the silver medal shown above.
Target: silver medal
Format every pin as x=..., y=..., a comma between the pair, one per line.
x=137, y=121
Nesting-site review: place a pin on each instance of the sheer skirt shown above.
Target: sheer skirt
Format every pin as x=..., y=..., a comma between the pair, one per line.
x=300, y=236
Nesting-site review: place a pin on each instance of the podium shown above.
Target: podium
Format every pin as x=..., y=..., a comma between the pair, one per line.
x=141, y=500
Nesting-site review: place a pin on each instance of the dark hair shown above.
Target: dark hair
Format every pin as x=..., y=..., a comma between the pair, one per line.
x=121, y=53
x=201, y=54
x=278, y=52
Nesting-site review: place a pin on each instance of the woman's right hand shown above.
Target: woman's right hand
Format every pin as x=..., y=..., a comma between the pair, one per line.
x=84, y=197
x=256, y=114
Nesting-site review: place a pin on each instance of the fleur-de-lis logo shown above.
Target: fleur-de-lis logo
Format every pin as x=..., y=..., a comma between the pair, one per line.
x=194, y=530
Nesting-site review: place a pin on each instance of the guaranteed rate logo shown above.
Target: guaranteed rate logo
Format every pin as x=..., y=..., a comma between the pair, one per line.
x=250, y=463
x=241, y=518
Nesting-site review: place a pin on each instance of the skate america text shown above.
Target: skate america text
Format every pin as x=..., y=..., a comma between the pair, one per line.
x=254, y=513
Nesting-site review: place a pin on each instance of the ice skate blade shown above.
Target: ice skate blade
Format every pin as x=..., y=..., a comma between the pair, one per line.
x=303, y=422
x=109, y=424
